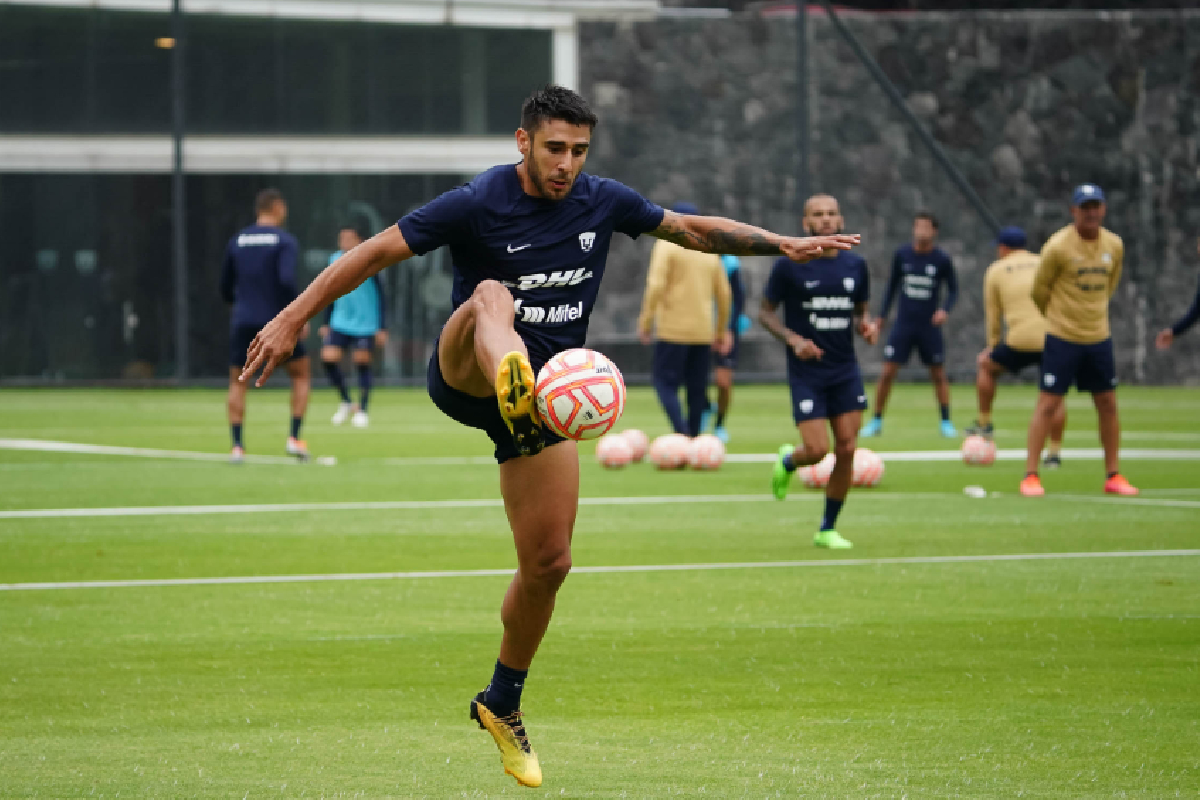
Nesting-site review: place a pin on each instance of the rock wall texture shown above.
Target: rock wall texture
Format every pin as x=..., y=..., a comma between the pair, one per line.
x=1026, y=104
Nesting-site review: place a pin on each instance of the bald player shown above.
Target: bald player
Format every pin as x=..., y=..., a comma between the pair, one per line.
x=1077, y=275
x=1009, y=304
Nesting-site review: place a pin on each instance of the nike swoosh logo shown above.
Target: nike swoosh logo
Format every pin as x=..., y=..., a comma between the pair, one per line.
x=811, y=284
x=512, y=249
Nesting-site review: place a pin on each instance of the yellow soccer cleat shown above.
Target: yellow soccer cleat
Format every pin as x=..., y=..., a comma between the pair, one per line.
x=509, y=732
x=515, y=384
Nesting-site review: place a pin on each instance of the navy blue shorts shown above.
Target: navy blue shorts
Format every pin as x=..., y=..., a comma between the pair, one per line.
x=240, y=337
x=1090, y=367
x=926, y=338
x=1014, y=360
x=728, y=361
x=346, y=341
x=475, y=412
x=818, y=397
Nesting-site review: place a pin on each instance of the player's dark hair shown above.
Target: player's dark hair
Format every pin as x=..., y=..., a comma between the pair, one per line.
x=929, y=216
x=555, y=102
x=356, y=224
x=266, y=199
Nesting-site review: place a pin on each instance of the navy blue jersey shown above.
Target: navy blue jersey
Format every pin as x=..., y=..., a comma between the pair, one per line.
x=918, y=278
x=1189, y=318
x=550, y=255
x=818, y=300
x=259, y=274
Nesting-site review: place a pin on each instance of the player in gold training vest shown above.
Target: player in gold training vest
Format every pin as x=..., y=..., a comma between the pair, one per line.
x=1078, y=273
x=1006, y=290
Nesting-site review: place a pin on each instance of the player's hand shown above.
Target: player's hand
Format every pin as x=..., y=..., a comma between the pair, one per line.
x=806, y=349
x=271, y=347
x=806, y=248
x=869, y=330
x=323, y=332
x=939, y=317
x=645, y=338
x=723, y=343
x=380, y=339
x=984, y=356
x=1164, y=339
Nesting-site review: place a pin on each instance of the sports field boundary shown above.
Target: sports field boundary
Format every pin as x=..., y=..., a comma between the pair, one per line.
x=598, y=570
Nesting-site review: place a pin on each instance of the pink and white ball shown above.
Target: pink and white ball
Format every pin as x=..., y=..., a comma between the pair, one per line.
x=671, y=451
x=707, y=453
x=613, y=451
x=817, y=476
x=868, y=468
x=639, y=444
x=978, y=451
x=580, y=394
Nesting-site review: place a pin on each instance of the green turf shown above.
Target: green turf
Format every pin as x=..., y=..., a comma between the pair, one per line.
x=1044, y=678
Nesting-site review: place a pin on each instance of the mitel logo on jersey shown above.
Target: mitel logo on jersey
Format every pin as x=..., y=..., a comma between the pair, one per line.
x=540, y=280
x=566, y=312
x=586, y=240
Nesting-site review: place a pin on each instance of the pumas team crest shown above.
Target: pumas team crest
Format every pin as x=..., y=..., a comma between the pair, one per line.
x=586, y=240
x=848, y=283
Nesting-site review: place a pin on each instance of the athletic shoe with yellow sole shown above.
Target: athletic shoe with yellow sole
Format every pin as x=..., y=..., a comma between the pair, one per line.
x=515, y=384
x=509, y=732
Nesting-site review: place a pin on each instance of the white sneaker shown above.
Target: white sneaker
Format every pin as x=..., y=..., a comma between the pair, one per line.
x=359, y=420
x=342, y=413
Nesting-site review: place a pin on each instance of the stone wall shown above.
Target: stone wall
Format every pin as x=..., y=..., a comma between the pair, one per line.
x=1026, y=104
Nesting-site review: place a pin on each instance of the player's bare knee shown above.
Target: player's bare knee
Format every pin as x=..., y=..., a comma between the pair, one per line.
x=492, y=297
x=549, y=568
x=816, y=451
x=845, y=448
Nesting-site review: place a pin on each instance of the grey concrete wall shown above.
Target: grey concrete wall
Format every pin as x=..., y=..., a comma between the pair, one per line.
x=1026, y=104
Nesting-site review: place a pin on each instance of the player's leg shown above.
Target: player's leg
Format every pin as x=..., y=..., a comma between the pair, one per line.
x=696, y=370
x=331, y=360
x=723, y=378
x=300, y=372
x=670, y=361
x=361, y=356
x=887, y=377
x=1098, y=375
x=931, y=346
x=1058, y=427
x=845, y=442
x=1048, y=408
x=808, y=412
x=985, y=395
x=235, y=408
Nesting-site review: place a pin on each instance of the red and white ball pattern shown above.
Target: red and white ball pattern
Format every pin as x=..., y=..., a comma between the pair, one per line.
x=671, y=451
x=868, y=467
x=978, y=451
x=613, y=451
x=639, y=443
x=817, y=476
x=580, y=394
x=707, y=452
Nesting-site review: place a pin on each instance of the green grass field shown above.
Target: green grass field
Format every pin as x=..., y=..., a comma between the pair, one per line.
x=1056, y=677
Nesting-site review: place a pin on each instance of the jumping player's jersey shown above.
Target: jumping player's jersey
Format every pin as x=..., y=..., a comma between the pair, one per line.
x=259, y=274
x=818, y=300
x=550, y=255
x=918, y=278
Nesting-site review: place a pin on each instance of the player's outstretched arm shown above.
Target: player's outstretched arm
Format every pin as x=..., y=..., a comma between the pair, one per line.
x=274, y=343
x=727, y=237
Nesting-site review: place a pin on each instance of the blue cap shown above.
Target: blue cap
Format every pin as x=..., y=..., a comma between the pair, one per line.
x=1085, y=193
x=685, y=208
x=1011, y=236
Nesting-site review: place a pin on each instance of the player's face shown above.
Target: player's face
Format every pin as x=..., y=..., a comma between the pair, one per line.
x=554, y=156
x=1089, y=216
x=822, y=217
x=348, y=240
x=923, y=232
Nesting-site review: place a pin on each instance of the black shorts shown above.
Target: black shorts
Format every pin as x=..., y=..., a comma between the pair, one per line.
x=240, y=337
x=817, y=397
x=346, y=341
x=926, y=338
x=475, y=412
x=729, y=360
x=1090, y=367
x=1014, y=360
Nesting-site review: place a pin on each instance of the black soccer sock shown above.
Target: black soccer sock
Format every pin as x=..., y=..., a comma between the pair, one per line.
x=1112, y=475
x=296, y=423
x=364, y=385
x=879, y=416
x=720, y=418
x=789, y=462
x=334, y=371
x=503, y=694
x=945, y=413
x=235, y=429
x=832, y=509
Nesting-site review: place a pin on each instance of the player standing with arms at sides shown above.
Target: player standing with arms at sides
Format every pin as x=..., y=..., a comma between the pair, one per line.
x=1078, y=273
x=258, y=277
x=919, y=271
x=1167, y=336
x=682, y=289
x=1007, y=301
x=824, y=303
x=355, y=321
x=726, y=363
x=529, y=243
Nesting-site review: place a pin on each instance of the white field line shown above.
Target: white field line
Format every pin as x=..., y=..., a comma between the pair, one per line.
x=1079, y=453
x=47, y=446
x=492, y=573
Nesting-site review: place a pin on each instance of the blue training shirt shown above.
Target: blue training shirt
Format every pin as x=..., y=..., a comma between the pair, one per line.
x=551, y=255
x=359, y=312
x=818, y=299
x=918, y=278
x=259, y=274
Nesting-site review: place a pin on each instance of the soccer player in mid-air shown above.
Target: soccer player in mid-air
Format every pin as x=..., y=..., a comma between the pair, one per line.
x=355, y=321
x=824, y=303
x=1008, y=303
x=1166, y=337
x=258, y=277
x=1077, y=274
x=919, y=271
x=529, y=243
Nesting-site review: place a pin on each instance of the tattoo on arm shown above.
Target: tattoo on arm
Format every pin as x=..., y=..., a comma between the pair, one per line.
x=717, y=235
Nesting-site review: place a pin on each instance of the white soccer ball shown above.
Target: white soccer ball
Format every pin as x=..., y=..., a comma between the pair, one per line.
x=671, y=451
x=580, y=394
x=817, y=476
x=978, y=451
x=613, y=451
x=707, y=452
x=638, y=443
x=868, y=467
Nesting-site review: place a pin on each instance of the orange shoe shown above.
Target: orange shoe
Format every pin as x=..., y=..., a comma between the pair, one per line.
x=297, y=447
x=1031, y=486
x=1118, y=485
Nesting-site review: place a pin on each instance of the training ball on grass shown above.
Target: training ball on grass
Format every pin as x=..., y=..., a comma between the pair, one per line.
x=671, y=451
x=613, y=451
x=580, y=394
x=707, y=452
x=868, y=468
x=639, y=443
x=817, y=476
x=978, y=451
